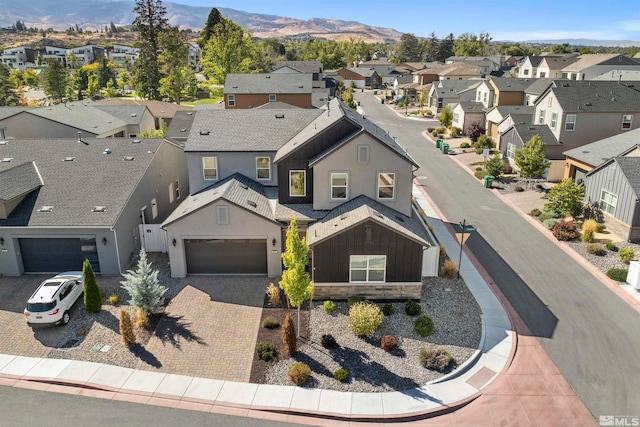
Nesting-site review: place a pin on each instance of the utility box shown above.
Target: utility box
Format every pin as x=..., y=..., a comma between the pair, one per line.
x=633, y=276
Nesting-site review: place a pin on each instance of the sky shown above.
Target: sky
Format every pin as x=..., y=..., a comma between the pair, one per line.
x=514, y=20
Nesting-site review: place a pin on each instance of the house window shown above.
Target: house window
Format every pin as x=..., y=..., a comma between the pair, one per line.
x=456, y=117
x=223, y=214
x=570, y=125
x=231, y=100
x=626, y=121
x=608, y=202
x=177, y=189
x=210, y=168
x=542, y=74
x=297, y=183
x=526, y=72
x=386, y=185
x=511, y=151
x=439, y=103
x=541, y=117
x=339, y=185
x=263, y=168
x=565, y=75
x=549, y=102
x=367, y=268
x=273, y=97
x=554, y=120
x=363, y=154
x=479, y=96
x=484, y=97
x=171, y=193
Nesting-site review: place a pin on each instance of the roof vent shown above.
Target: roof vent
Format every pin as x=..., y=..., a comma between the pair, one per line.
x=399, y=218
x=300, y=87
x=135, y=141
x=378, y=214
x=7, y=159
x=45, y=209
x=268, y=76
x=235, y=87
x=204, y=132
x=128, y=158
x=189, y=113
x=49, y=108
x=134, y=115
x=183, y=130
x=107, y=151
x=99, y=209
x=279, y=116
x=3, y=142
x=252, y=203
x=69, y=159
x=95, y=126
x=243, y=186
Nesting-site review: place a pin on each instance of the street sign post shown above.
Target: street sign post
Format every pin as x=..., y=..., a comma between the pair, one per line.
x=461, y=237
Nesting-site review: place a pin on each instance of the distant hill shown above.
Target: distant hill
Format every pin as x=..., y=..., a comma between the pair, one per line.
x=95, y=14
x=588, y=42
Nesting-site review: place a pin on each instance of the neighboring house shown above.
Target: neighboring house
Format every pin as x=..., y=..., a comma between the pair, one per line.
x=467, y=113
x=137, y=117
x=337, y=173
x=383, y=68
x=195, y=57
x=517, y=135
x=485, y=64
x=122, y=56
x=507, y=91
x=447, y=92
x=590, y=66
x=454, y=71
x=178, y=131
x=614, y=187
x=19, y=58
x=53, y=53
x=321, y=92
x=497, y=114
x=535, y=89
x=581, y=160
x=66, y=200
x=160, y=110
x=551, y=67
x=619, y=75
x=87, y=54
x=243, y=91
x=499, y=61
x=360, y=77
x=529, y=67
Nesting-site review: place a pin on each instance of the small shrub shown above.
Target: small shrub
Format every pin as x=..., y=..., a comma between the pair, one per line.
x=545, y=216
x=443, y=250
x=589, y=229
x=430, y=130
x=299, y=373
x=142, y=319
x=478, y=168
x=424, y=326
x=465, y=145
x=412, y=308
x=113, y=299
x=329, y=306
x=611, y=246
x=389, y=343
x=353, y=300
x=341, y=375
x=387, y=309
x=565, y=230
x=289, y=338
x=126, y=328
x=626, y=254
x=328, y=341
x=551, y=222
x=519, y=188
x=364, y=318
x=595, y=249
x=434, y=132
x=455, y=131
x=601, y=227
x=535, y=212
x=266, y=351
x=480, y=174
x=270, y=323
x=450, y=269
x=273, y=292
x=437, y=360
x=618, y=274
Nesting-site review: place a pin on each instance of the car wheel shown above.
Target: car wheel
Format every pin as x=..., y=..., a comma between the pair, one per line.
x=65, y=318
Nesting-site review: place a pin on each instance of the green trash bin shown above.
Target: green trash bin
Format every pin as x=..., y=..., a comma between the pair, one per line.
x=445, y=148
x=375, y=92
x=488, y=181
x=439, y=143
x=381, y=100
x=358, y=103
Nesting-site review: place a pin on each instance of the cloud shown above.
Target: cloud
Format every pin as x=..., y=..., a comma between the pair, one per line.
x=632, y=26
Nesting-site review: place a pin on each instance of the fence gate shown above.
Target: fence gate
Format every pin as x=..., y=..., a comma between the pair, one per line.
x=154, y=238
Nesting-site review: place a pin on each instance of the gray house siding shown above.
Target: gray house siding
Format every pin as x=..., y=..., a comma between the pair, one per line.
x=611, y=179
x=331, y=258
x=299, y=160
x=509, y=137
x=28, y=126
x=228, y=164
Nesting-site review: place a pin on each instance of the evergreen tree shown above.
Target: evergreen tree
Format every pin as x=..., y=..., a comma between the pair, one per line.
x=92, y=297
x=105, y=73
x=180, y=79
x=408, y=49
x=495, y=166
x=9, y=96
x=81, y=81
x=531, y=158
x=445, y=49
x=143, y=287
x=289, y=338
x=431, y=48
x=54, y=79
x=213, y=19
x=126, y=328
x=150, y=22
x=446, y=116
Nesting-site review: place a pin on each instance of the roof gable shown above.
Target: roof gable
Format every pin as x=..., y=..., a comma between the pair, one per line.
x=595, y=96
x=604, y=149
x=290, y=83
x=19, y=180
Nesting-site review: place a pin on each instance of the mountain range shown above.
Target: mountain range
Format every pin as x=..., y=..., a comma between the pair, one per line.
x=95, y=14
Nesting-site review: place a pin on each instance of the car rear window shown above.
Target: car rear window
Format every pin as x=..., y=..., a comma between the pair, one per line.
x=38, y=307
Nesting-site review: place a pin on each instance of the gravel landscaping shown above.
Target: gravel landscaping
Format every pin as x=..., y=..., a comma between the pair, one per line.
x=457, y=328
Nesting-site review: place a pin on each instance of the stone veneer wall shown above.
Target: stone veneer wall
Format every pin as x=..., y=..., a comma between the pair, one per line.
x=372, y=291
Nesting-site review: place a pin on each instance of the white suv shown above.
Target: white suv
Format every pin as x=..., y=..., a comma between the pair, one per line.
x=51, y=302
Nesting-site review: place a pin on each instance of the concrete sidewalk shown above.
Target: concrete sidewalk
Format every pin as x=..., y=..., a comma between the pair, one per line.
x=496, y=350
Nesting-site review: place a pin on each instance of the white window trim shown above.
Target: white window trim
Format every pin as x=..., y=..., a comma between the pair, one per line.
x=222, y=215
x=263, y=168
x=273, y=97
x=511, y=151
x=346, y=186
x=393, y=187
x=367, y=269
x=630, y=121
x=177, y=189
x=567, y=123
x=541, y=116
x=171, y=193
x=554, y=121
x=613, y=202
x=304, y=172
x=204, y=169
x=231, y=100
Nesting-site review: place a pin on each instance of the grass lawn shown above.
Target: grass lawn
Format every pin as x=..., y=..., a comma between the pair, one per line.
x=204, y=101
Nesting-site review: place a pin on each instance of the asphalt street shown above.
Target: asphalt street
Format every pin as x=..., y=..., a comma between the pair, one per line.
x=589, y=332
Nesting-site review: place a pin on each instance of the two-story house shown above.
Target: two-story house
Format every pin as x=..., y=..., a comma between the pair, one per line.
x=18, y=58
x=445, y=92
x=551, y=66
x=345, y=181
x=320, y=92
x=360, y=77
x=122, y=56
x=590, y=66
x=242, y=91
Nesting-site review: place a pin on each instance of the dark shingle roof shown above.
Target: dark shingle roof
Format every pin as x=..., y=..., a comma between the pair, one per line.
x=527, y=132
x=511, y=85
x=597, y=96
x=180, y=126
x=604, y=149
x=236, y=189
x=247, y=130
x=301, y=66
x=81, y=115
x=75, y=187
x=130, y=114
x=19, y=180
x=538, y=86
x=358, y=210
x=268, y=83
x=630, y=167
x=472, y=107
x=364, y=72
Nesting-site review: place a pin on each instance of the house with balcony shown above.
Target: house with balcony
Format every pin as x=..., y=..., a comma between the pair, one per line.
x=245, y=91
x=19, y=58
x=122, y=56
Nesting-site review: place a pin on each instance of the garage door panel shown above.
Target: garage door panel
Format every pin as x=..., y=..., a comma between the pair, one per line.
x=53, y=255
x=226, y=257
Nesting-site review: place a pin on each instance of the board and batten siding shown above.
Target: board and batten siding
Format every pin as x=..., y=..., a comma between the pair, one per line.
x=611, y=179
x=331, y=258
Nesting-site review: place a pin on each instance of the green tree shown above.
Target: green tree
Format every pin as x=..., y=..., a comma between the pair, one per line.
x=445, y=48
x=154, y=133
x=229, y=50
x=408, y=49
x=143, y=286
x=565, y=198
x=179, y=80
x=69, y=94
x=446, y=116
x=468, y=44
x=213, y=19
x=422, y=98
x=93, y=88
x=347, y=98
x=560, y=48
x=110, y=90
x=483, y=142
x=531, y=159
x=54, y=80
x=17, y=77
x=92, y=296
x=105, y=72
x=9, y=96
x=494, y=166
x=431, y=45
x=73, y=61
x=80, y=81
x=124, y=79
x=150, y=22
x=295, y=283
x=30, y=77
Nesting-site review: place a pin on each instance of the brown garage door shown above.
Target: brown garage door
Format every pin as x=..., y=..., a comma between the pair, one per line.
x=226, y=256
